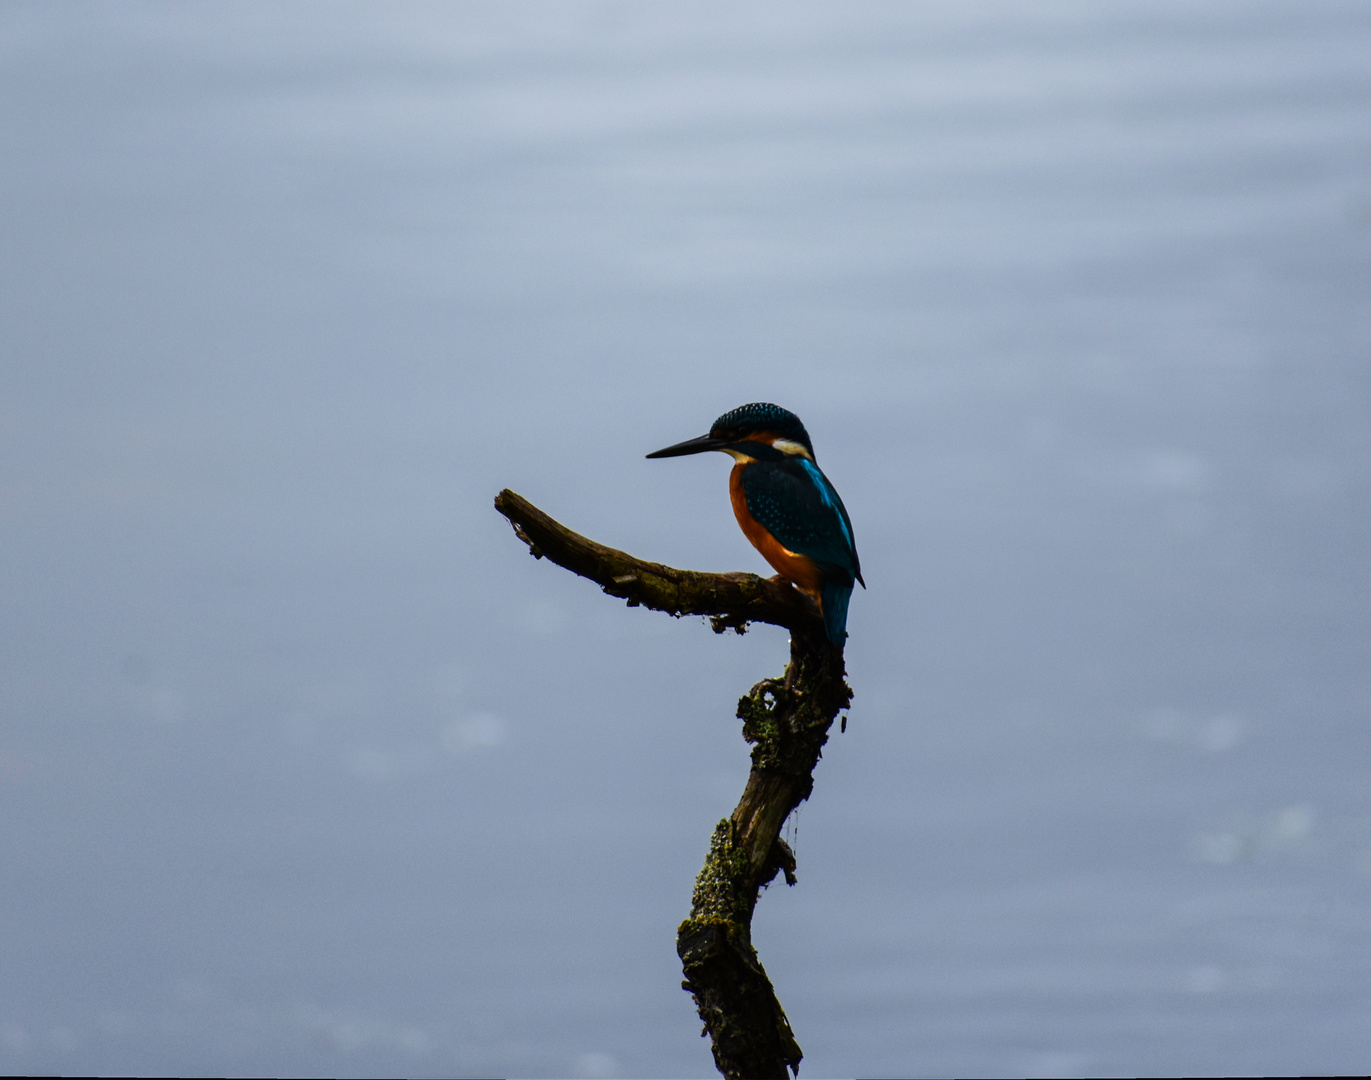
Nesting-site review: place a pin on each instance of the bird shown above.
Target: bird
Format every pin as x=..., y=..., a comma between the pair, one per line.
x=785, y=505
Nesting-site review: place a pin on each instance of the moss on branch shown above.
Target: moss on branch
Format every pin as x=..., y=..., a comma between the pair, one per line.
x=786, y=721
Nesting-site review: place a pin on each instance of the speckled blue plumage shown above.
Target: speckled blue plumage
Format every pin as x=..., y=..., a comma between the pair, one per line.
x=793, y=500
x=763, y=416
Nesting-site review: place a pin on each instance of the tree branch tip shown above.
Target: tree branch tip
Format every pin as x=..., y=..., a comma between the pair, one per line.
x=729, y=600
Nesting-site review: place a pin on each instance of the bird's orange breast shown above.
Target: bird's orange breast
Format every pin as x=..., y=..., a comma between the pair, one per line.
x=795, y=568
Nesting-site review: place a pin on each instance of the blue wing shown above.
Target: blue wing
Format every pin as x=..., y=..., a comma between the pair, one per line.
x=794, y=501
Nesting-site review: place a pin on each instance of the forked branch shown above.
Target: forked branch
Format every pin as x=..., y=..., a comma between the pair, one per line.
x=786, y=720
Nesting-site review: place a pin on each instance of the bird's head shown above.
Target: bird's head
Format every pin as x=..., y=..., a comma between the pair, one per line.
x=750, y=432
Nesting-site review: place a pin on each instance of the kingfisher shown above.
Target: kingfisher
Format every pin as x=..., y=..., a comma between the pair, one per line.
x=785, y=505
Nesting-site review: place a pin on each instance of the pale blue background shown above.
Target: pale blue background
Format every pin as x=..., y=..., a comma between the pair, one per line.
x=307, y=767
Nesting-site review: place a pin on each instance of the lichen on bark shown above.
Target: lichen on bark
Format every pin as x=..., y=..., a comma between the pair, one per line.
x=786, y=721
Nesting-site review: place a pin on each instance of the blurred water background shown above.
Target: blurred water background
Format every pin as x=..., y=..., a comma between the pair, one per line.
x=306, y=767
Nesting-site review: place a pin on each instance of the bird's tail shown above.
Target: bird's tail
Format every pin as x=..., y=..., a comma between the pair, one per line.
x=836, y=595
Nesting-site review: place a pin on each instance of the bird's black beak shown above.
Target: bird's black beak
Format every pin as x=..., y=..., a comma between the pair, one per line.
x=691, y=446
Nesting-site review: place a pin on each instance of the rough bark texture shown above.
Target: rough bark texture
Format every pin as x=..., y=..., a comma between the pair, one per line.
x=786, y=721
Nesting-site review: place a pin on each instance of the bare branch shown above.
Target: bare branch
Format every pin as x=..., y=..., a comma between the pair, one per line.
x=730, y=600
x=786, y=721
